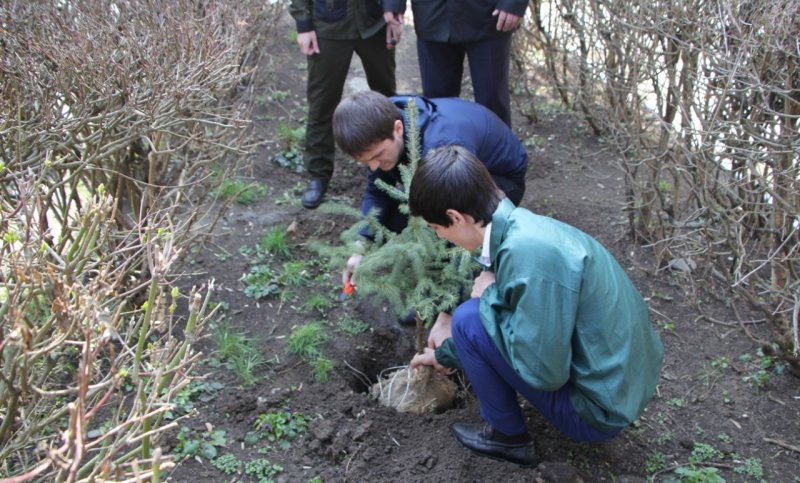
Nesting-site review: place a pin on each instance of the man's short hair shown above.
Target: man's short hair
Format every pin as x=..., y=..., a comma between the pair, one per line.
x=451, y=177
x=362, y=120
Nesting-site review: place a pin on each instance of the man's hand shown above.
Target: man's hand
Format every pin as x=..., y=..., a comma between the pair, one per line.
x=308, y=43
x=428, y=358
x=350, y=269
x=394, y=28
x=506, y=22
x=441, y=330
x=481, y=282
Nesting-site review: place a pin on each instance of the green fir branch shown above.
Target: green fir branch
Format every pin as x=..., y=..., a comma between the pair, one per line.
x=410, y=269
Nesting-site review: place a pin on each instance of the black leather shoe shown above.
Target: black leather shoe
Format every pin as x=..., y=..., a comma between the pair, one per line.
x=484, y=439
x=312, y=196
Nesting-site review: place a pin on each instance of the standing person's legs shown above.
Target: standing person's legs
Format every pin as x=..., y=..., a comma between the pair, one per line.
x=489, y=62
x=327, y=72
x=441, y=66
x=496, y=383
x=379, y=63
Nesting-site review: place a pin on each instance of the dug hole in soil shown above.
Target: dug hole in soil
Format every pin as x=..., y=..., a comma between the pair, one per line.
x=704, y=397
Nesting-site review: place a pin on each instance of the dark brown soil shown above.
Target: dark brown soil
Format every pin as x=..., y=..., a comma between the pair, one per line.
x=706, y=396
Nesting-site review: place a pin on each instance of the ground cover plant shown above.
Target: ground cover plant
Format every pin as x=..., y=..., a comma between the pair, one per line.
x=727, y=405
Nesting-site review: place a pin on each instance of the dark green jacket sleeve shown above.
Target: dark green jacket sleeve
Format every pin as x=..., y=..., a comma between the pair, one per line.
x=447, y=356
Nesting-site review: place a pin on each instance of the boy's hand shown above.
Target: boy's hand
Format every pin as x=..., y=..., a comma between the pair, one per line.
x=348, y=275
x=481, y=282
x=428, y=358
x=442, y=329
x=308, y=43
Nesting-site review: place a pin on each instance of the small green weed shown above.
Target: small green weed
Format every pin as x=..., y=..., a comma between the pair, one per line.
x=263, y=470
x=699, y=475
x=725, y=437
x=199, y=443
x=751, y=467
x=655, y=462
x=306, y=340
x=665, y=437
x=704, y=452
x=280, y=427
x=227, y=463
x=726, y=397
x=279, y=96
x=713, y=370
x=291, y=197
x=195, y=390
x=321, y=368
x=290, y=139
x=274, y=243
x=666, y=326
x=294, y=274
x=319, y=303
x=677, y=402
x=260, y=282
x=351, y=326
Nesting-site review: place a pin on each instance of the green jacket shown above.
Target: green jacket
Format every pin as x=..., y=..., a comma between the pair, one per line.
x=342, y=19
x=562, y=309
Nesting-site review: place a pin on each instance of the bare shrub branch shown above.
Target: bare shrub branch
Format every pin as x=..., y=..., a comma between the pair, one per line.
x=702, y=100
x=117, y=122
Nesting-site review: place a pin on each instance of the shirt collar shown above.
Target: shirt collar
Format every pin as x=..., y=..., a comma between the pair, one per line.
x=486, y=257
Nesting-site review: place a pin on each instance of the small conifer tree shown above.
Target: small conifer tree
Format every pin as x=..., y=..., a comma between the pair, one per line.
x=413, y=269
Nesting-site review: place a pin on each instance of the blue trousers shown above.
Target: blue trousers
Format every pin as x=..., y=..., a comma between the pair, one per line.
x=496, y=384
x=441, y=66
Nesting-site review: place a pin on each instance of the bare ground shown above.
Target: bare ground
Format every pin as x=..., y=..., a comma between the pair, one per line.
x=709, y=413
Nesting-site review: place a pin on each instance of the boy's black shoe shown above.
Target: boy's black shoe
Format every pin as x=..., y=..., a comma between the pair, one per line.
x=485, y=440
x=312, y=196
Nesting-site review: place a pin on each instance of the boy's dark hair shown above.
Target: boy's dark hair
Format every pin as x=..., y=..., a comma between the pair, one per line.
x=451, y=177
x=363, y=119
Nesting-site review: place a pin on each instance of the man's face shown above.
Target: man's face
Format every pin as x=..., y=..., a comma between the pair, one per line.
x=385, y=154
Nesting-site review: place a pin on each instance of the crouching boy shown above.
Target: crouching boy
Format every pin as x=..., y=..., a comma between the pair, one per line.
x=554, y=318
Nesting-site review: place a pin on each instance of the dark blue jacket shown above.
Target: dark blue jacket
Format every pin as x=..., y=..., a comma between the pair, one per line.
x=461, y=20
x=453, y=121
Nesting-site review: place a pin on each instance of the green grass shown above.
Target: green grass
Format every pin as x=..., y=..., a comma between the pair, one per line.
x=238, y=352
x=306, y=340
x=318, y=303
x=229, y=342
x=321, y=368
x=274, y=243
x=243, y=192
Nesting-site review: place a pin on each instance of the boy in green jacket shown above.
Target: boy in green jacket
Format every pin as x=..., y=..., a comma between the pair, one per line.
x=554, y=317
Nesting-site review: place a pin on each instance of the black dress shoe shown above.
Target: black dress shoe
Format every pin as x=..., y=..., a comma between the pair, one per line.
x=485, y=440
x=312, y=196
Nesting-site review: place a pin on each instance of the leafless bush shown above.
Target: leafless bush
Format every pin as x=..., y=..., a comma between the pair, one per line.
x=703, y=100
x=117, y=121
